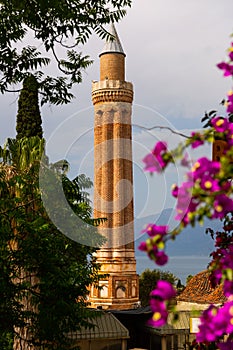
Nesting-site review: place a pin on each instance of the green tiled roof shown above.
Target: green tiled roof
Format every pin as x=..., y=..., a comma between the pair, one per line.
x=106, y=326
x=182, y=325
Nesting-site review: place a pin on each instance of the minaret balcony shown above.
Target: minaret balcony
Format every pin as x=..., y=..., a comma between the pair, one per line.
x=112, y=90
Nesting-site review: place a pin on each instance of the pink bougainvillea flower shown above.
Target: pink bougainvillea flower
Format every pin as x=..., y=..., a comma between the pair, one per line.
x=222, y=206
x=151, y=163
x=161, y=258
x=157, y=254
x=184, y=214
x=225, y=186
x=158, y=298
x=163, y=291
x=185, y=160
x=154, y=245
x=227, y=257
x=160, y=313
x=204, y=166
x=186, y=204
x=225, y=315
x=229, y=136
x=228, y=345
x=160, y=148
x=226, y=67
x=143, y=247
x=228, y=288
x=154, y=161
x=153, y=230
x=211, y=327
x=220, y=124
x=215, y=277
x=209, y=184
x=198, y=139
x=215, y=322
x=229, y=103
x=231, y=52
x=183, y=195
x=175, y=190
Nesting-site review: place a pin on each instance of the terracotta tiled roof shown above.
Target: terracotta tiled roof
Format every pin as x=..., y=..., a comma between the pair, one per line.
x=199, y=290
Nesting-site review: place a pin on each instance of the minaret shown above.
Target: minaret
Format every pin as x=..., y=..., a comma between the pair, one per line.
x=112, y=97
x=218, y=148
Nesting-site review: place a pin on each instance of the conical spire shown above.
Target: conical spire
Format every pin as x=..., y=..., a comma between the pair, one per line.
x=113, y=46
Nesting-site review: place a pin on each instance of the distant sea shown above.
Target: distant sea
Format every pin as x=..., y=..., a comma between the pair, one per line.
x=180, y=266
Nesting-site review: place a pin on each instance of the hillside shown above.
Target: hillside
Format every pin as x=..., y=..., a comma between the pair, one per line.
x=192, y=241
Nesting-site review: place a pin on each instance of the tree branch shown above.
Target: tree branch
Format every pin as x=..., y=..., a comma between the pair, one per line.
x=17, y=207
x=162, y=128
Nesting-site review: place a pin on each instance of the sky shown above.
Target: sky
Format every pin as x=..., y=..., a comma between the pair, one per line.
x=172, y=48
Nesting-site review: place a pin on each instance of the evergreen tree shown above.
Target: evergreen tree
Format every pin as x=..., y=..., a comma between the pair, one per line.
x=148, y=280
x=189, y=277
x=28, y=118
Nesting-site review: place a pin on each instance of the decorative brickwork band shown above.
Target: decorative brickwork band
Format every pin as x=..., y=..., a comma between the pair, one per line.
x=111, y=91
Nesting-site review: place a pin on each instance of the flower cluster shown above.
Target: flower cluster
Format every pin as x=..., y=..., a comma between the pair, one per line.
x=155, y=244
x=223, y=267
x=186, y=204
x=159, y=300
x=207, y=192
x=228, y=345
x=197, y=139
x=229, y=103
x=203, y=179
x=227, y=67
x=215, y=322
x=155, y=161
x=223, y=129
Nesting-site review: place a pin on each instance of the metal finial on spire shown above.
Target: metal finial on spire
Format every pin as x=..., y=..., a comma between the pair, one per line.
x=113, y=46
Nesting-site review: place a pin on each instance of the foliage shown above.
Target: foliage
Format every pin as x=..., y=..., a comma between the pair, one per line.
x=44, y=274
x=213, y=114
x=23, y=153
x=28, y=120
x=203, y=346
x=179, y=286
x=6, y=341
x=189, y=277
x=206, y=192
x=148, y=280
x=55, y=25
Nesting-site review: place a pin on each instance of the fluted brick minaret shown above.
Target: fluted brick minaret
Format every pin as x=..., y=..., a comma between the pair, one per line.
x=112, y=97
x=218, y=148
